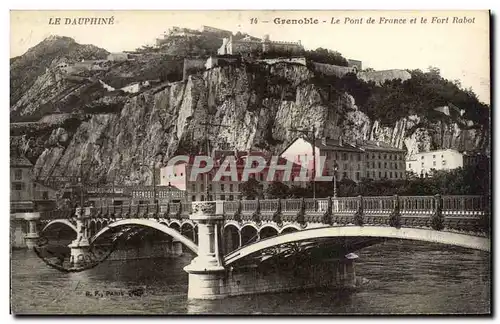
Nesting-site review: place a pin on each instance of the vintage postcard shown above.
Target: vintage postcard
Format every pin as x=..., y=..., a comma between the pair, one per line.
x=250, y=162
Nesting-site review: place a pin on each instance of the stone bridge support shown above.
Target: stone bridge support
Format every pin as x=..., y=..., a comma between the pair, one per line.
x=206, y=271
x=80, y=247
x=32, y=236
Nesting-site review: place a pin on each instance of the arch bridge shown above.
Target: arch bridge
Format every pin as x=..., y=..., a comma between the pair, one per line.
x=247, y=234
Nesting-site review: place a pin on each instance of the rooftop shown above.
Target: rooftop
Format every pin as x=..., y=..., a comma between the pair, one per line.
x=334, y=145
x=379, y=146
x=19, y=161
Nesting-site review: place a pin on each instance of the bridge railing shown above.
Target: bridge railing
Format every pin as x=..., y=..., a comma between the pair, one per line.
x=378, y=205
x=468, y=205
x=417, y=204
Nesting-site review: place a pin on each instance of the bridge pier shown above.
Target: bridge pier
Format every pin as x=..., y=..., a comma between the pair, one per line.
x=80, y=247
x=206, y=271
x=349, y=271
x=176, y=247
x=32, y=236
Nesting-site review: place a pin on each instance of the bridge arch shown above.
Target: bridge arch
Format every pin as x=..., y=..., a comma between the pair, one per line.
x=268, y=230
x=175, y=224
x=289, y=229
x=60, y=221
x=232, y=223
x=187, y=229
x=249, y=234
x=232, y=237
x=426, y=235
x=151, y=224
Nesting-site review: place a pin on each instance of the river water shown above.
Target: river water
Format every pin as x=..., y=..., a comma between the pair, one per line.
x=398, y=277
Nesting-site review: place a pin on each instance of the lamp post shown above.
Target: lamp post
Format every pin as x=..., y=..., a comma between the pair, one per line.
x=335, y=168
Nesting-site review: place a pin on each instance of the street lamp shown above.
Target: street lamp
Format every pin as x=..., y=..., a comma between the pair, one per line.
x=335, y=168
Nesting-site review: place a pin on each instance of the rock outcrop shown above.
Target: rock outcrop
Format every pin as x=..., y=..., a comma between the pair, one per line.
x=257, y=105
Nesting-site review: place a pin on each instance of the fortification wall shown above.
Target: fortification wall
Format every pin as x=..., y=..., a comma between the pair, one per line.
x=192, y=65
x=283, y=46
x=241, y=47
x=379, y=77
x=296, y=60
x=335, y=70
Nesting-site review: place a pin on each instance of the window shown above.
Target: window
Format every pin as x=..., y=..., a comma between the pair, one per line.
x=231, y=187
x=422, y=157
x=444, y=162
x=385, y=174
x=373, y=165
x=222, y=197
x=359, y=166
x=409, y=165
x=422, y=164
x=202, y=198
x=367, y=156
x=18, y=174
x=433, y=156
x=385, y=156
x=357, y=175
x=379, y=165
x=379, y=156
x=183, y=174
x=193, y=198
x=193, y=187
x=231, y=197
x=210, y=187
x=344, y=157
x=395, y=175
x=380, y=174
x=261, y=177
x=222, y=187
x=390, y=174
x=45, y=195
x=202, y=187
x=359, y=157
x=345, y=166
x=385, y=165
x=344, y=175
x=367, y=165
x=434, y=163
x=18, y=186
x=209, y=198
x=442, y=156
x=118, y=202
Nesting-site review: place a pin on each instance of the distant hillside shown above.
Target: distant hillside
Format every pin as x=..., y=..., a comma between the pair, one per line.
x=25, y=69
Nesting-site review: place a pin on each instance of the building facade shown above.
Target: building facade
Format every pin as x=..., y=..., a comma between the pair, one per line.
x=366, y=160
x=421, y=164
x=21, y=184
x=383, y=161
x=205, y=187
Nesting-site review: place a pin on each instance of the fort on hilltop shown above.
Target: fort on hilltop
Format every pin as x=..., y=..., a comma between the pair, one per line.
x=249, y=44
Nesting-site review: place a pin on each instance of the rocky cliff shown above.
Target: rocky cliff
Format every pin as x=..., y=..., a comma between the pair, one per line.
x=258, y=104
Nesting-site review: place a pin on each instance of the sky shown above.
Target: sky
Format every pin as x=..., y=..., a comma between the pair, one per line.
x=460, y=50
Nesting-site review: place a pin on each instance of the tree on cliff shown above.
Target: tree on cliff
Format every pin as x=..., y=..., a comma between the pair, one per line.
x=251, y=189
x=277, y=190
x=323, y=55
